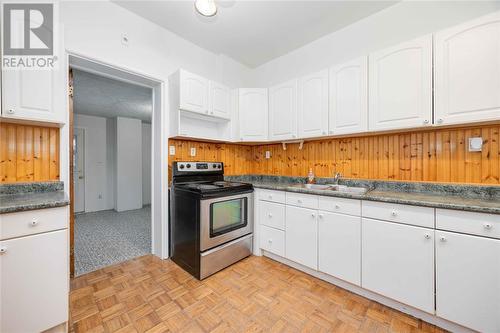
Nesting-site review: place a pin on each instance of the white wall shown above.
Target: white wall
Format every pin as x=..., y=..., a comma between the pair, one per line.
x=94, y=28
x=403, y=21
x=111, y=161
x=96, y=189
x=146, y=163
x=128, y=164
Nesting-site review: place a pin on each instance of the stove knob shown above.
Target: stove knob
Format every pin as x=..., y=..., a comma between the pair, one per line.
x=220, y=166
x=214, y=166
x=188, y=165
x=181, y=166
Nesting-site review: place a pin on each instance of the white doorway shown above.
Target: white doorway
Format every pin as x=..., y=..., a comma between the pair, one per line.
x=79, y=170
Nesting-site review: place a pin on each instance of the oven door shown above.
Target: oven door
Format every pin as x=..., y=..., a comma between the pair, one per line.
x=225, y=219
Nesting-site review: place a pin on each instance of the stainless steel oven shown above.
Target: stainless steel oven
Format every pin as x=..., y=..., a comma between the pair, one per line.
x=224, y=219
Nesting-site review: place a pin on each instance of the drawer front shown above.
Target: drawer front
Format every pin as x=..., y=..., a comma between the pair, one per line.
x=272, y=240
x=302, y=200
x=272, y=214
x=413, y=215
x=479, y=224
x=274, y=196
x=340, y=205
x=33, y=222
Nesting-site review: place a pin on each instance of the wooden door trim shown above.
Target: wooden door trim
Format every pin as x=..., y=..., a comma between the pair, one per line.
x=71, y=185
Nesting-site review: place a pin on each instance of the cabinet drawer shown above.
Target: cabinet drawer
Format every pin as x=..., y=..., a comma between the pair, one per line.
x=272, y=240
x=33, y=222
x=274, y=196
x=414, y=215
x=302, y=200
x=340, y=205
x=480, y=224
x=272, y=214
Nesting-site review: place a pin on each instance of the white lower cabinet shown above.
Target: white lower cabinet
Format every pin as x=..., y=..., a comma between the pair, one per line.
x=272, y=240
x=339, y=247
x=301, y=241
x=398, y=262
x=468, y=280
x=34, y=282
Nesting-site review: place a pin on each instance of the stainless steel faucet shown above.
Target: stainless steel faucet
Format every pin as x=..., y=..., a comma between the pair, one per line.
x=336, y=177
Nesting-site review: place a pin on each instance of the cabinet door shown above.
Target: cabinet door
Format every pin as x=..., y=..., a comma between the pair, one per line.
x=313, y=105
x=467, y=72
x=283, y=111
x=34, y=282
x=349, y=97
x=398, y=262
x=193, y=92
x=253, y=114
x=301, y=236
x=400, y=86
x=340, y=246
x=468, y=280
x=37, y=95
x=219, y=100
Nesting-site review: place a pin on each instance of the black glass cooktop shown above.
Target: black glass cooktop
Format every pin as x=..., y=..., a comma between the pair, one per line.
x=214, y=186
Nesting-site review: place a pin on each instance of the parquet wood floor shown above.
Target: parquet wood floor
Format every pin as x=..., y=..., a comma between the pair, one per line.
x=255, y=295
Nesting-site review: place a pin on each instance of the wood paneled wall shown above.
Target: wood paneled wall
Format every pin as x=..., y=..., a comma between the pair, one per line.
x=439, y=155
x=28, y=153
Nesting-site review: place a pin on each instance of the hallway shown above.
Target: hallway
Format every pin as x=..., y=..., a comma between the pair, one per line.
x=108, y=237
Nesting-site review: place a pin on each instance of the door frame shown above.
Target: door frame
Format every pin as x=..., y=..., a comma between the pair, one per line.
x=159, y=144
x=84, y=164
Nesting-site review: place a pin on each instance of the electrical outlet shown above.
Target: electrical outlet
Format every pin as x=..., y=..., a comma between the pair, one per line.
x=172, y=150
x=268, y=154
x=193, y=152
x=476, y=144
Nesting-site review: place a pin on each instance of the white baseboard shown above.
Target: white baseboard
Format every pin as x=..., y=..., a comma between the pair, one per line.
x=427, y=317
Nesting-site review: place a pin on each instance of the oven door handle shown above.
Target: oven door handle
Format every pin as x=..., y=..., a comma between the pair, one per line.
x=206, y=253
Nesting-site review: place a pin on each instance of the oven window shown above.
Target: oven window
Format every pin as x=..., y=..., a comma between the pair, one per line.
x=228, y=215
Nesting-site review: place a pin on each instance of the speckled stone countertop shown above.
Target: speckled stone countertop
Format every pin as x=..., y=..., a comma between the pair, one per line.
x=474, y=198
x=28, y=196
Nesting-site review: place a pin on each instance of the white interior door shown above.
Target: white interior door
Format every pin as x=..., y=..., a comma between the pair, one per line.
x=79, y=171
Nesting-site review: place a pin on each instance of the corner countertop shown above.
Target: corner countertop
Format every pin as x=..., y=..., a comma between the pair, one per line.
x=28, y=196
x=473, y=198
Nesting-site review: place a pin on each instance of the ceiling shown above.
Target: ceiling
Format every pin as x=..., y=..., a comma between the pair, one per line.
x=254, y=32
x=101, y=96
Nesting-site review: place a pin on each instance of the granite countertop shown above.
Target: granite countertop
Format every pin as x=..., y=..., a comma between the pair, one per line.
x=29, y=196
x=474, y=198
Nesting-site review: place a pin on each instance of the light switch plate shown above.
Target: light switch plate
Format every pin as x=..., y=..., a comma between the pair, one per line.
x=171, y=150
x=268, y=154
x=193, y=151
x=475, y=144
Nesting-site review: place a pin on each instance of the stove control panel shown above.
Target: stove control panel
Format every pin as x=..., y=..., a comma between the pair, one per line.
x=199, y=166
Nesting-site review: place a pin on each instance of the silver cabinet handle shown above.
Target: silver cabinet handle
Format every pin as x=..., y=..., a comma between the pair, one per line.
x=426, y=121
x=324, y=132
x=270, y=241
x=270, y=215
x=10, y=111
x=206, y=112
x=313, y=215
x=427, y=236
x=331, y=132
x=270, y=196
x=34, y=222
x=394, y=212
x=488, y=226
x=320, y=216
x=442, y=239
x=3, y=249
x=294, y=136
x=440, y=121
x=299, y=201
x=337, y=206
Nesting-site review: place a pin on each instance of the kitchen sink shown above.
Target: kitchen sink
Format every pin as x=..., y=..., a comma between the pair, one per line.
x=332, y=187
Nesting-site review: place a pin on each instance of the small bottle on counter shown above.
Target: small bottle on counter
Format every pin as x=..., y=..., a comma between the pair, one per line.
x=310, y=177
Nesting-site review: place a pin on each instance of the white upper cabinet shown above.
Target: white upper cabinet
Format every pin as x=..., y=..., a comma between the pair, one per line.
x=467, y=72
x=313, y=104
x=253, y=114
x=283, y=111
x=193, y=92
x=219, y=100
x=36, y=95
x=349, y=97
x=400, y=86
x=468, y=280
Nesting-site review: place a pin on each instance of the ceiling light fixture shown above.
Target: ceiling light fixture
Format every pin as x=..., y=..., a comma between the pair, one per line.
x=205, y=7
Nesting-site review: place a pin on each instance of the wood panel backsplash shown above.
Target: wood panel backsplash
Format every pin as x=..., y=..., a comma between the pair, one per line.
x=28, y=153
x=438, y=155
